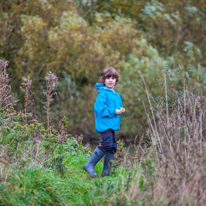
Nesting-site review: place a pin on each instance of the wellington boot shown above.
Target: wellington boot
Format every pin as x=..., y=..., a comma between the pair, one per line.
x=96, y=156
x=107, y=164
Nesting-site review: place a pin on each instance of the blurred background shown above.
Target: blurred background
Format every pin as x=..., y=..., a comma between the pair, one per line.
x=77, y=39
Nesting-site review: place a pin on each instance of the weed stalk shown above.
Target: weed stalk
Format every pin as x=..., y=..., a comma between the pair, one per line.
x=52, y=81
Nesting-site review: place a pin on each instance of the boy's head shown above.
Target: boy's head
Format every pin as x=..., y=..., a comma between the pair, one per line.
x=107, y=73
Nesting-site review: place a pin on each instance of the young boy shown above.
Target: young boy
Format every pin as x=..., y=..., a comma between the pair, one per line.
x=108, y=110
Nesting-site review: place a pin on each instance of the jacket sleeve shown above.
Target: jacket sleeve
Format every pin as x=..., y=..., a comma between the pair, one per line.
x=102, y=108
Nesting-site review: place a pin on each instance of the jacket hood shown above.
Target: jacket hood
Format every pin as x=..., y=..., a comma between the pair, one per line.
x=102, y=87
x=99, y=86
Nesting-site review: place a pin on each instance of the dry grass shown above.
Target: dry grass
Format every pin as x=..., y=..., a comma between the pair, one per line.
x=28, y=94
x=6, y=99
x=178, y=151
x=181, y=152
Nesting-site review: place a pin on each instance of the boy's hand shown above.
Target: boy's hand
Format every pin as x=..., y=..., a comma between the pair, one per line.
x=120, y=111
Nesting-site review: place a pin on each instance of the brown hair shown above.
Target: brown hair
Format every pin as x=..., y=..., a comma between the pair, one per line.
x=109, y=72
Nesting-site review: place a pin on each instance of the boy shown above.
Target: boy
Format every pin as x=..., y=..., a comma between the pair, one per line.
x=108, y=110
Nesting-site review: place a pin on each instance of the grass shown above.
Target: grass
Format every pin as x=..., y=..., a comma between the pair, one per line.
x=39, y=185
x=54, y=175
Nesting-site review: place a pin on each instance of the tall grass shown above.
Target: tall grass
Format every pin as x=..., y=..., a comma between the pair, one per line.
x=181, y=161
x=34, y=186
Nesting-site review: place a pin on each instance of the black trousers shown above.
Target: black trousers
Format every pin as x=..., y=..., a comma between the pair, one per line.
x=109, y=142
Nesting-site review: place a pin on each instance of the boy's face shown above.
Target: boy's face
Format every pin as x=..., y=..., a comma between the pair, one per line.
x=110, y=82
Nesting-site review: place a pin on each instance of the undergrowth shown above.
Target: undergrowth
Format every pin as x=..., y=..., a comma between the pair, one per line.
x=54, y=175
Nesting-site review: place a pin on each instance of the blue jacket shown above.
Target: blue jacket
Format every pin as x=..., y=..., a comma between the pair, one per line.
x=107, y=102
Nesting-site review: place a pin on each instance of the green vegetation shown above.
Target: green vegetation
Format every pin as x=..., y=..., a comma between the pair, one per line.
x=53, y=175
x=77, y=39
